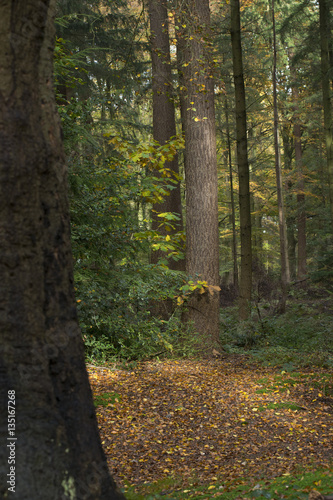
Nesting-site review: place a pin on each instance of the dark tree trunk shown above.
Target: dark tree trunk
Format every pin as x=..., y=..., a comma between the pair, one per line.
x=301, y=214
x=245, y=284
x=202, y=244
x=164, y=126
x=58, y=454
x=324, y=16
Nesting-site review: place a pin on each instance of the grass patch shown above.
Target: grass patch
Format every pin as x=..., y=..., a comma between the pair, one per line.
x=290, y=487
x=320, y=382
x=107, y=398
x=281, y=406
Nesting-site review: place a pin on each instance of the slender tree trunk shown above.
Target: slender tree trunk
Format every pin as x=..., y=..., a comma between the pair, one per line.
x=233, y=212
x=55, y=442
x=301, y=215
x=258, y=226
x=324, y=15
x=164, y=126
x=202, y=244
x=245, y=286
x=288, y=154
x=285, y=274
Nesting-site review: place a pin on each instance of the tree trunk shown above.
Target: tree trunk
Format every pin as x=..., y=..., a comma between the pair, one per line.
x=164, y=126
x=288, y=154
x=202, y=243
x=245, y=285
x=233, y=214
x=54, y=446
x=324, y=15
x=285, y=274
x=301, y=215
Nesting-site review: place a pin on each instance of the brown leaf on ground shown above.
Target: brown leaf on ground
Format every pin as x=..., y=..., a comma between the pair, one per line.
x=208, y=419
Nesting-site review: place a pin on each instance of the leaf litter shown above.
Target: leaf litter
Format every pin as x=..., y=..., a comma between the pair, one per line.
x=212, y=420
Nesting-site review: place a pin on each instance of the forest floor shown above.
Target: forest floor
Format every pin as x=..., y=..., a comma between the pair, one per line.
x=200, y=429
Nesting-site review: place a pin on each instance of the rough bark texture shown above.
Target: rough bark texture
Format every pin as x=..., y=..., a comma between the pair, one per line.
x=58, y=454
x=324, y=15
x=164, y=126
x=202, y=250
x=245, y=284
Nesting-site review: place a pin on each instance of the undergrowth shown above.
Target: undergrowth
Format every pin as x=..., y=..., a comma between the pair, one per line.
x=302, y=337
x=288, y=486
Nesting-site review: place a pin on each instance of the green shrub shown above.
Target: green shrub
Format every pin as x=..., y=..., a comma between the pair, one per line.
x=303, y=336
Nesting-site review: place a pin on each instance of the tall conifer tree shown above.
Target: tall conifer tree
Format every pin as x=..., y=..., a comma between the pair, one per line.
x=245, y=285
x=202, y=245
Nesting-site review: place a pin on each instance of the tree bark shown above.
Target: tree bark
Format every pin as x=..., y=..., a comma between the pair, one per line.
x=288, y=155
x=164, y=126
x=301, y=215
x=245, y=285
x=202, y=240
x=58, y=454
x=285, y=274
x=324, y=15
x=232, y=201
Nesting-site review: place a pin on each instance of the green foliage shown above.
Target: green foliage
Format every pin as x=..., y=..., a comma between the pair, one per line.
x=113, y=184
x=301, y=337
x=107, y=398
x=114, y=311
x=289, y=486
x=66, y=66
x=101, y=76
x=115, y=288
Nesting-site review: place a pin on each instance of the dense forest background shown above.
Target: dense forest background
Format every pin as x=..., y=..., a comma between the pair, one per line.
x=178, y=244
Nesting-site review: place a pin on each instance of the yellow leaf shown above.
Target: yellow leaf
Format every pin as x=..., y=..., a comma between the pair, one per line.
x=180, y=301
x=167, y=238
